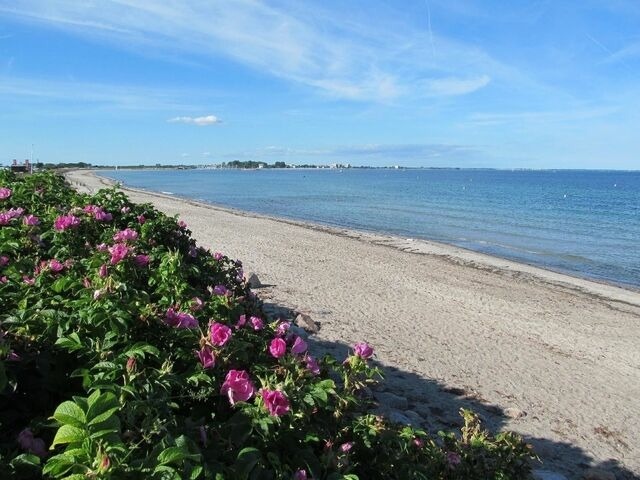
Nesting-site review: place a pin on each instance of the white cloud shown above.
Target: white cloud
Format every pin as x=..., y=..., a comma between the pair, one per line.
x=456, y=86
x=377, y=57
x=199, y=121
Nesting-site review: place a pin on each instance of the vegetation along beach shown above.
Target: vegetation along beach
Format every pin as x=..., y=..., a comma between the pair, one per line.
x=319, y=240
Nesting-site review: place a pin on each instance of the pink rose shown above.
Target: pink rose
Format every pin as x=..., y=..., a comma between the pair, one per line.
x=345, y=447
x=32, y=444
x=453, y=459
x=141, y=219
x=5, y=193
x=197, y=304
x=4, y=260
x=180, y=319
x=282, y=328
x=300, y=474
x=31, y=220
x=276, y=402
x=218, y=256
x=312, y=364
x=55, y=266
x=242, y=320
x=257, y=323
x=125, y=209
x=141, y=260
x=28, y=280
x=64, y=222
x=126, y=235
x=278, y=347
x=220, y=334
x=299, y=346
x=207, y=357
x=363, y=350
x=102, y=271
x=118, y=252
x=237, y=386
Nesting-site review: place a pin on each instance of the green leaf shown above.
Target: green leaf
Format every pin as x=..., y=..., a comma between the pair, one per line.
x=3, y=377
x=100, y=403
x=196, y=472
x=103, y=416
x=58, y=465
x=26, y=459
x=247, y=460
x=68, y=434
x=176, y=455
x=68, y=413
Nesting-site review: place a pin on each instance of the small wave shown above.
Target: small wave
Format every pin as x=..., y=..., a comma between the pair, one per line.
x=167, y=193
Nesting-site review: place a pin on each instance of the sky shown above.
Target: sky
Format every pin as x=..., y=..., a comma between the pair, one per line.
x=433, y=83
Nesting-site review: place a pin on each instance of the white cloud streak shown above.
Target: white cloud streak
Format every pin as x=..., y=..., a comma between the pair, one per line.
x=324, y=50
x=199, y=121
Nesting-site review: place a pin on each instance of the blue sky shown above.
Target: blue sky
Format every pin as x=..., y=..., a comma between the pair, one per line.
x=518, y=84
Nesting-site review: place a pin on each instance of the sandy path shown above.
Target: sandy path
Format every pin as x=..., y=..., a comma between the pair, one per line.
x=455, y=328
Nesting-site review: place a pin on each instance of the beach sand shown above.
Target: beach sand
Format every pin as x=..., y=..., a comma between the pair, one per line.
x=552, y=357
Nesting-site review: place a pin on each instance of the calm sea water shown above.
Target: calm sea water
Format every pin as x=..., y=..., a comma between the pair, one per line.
x=582, y=222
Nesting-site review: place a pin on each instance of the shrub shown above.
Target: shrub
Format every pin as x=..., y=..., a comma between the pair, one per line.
x=129, y=352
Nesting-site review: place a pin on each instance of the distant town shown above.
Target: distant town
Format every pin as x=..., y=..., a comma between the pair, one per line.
x=28, y=166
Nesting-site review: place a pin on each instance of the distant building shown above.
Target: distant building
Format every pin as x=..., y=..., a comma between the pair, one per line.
x=23, y=168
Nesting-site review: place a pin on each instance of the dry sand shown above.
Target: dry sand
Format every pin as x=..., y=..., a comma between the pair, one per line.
x=550, y=356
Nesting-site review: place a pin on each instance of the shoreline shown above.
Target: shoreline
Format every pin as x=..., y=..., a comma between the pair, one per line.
x=419, y=246
x=553, y=357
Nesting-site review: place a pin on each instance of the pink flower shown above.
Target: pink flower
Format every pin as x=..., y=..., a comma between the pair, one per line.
x=4, y=260
x=237, y=386
x=5, y=193
x=220, y=290
x=131, y=364
x=65, y=222
x=126, y=235
x=257, y=323
x=4, y=279
x=207, y=357
x=300, y=474
x=141, y=219
x=276, y=402
x=32, y=444
x=453, y=459
x=28, y=280
x=218, y=256
x=282, y=328
x=102, y=216
x=345, y=447
x=182, y=224
x=278, y=347
x=180, y=319
x=15, y=212
x=86, y=282
x=363, y=350
x=299, y=346
x=4, y=219
x=418, y=442
x=312, y=364
x=125, y=209
x=97, y=294
x=220, y=334
x=31, y=220
x=103, y=247
x=102, y=271
x=242, y=321
x=141, y=260
x=118, y=252
x=197, y=304
x=55, y=266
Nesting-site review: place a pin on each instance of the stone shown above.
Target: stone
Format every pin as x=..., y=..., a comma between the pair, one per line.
x=598, y=474
x=416, y=419
x=301, y=332
x=547, y=475
x=513, y=412
x=253, y=280
x=396, y=416
x=305, y=322
x=391, y=400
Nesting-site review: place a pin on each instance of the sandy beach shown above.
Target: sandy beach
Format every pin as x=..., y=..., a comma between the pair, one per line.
x=550, y=356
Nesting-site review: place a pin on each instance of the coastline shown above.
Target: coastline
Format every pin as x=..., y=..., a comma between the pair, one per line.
x=486, y=331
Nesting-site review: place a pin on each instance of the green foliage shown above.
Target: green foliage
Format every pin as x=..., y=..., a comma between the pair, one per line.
x=99, y=376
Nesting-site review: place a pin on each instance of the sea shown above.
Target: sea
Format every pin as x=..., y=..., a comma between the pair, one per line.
x=582, y=222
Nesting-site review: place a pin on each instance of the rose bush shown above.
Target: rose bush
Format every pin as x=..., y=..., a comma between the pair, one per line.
x=128, y=352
